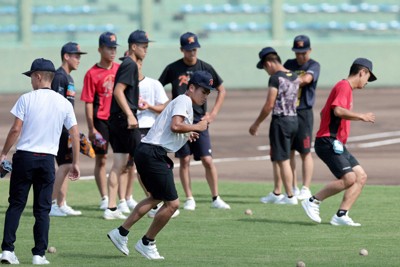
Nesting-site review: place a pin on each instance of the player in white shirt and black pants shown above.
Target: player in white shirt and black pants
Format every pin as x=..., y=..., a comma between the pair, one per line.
x=39, y=118
x=172, y=129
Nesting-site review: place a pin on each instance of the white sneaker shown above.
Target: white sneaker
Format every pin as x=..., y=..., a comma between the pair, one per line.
x=272, y=198
x=190, y=204
x=305, y=193
x=131, y=203
x=296, y=191
x=288, y=201
x=104, y=203
x=9, y=257
x=119, y=241
x=112, y=215
x=56, y=212
x=344, y=220
x=123, y=207
x=220, y=204
x=150, y=251
x=68, y=210
x=153, y=212
x=312, y=209
x=39, y=260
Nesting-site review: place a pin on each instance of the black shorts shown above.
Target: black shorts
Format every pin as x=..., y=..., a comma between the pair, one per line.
x=64, y=154
x=155, y=169
x=281, y=134
x=302, y=139
x=122, y=139
x=103, y=127
x=200, y=148
x=339, y=164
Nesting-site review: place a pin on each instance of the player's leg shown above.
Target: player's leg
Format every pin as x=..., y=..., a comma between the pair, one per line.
x=117, y=169
x=293, y=166
x=307, y=168
x=184, y=169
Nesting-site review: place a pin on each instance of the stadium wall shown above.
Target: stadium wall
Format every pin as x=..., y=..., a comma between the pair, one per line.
x=235, y=63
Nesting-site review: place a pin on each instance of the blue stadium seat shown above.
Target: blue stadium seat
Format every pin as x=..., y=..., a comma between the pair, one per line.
x=369, y=7
x=377, y=26
x=12, y=28
x=8, y=10
x=347, y=8
x=66, y=9
x=394, y=25
x=290, y=8
x=307, y=8
x=387, y=8
x=328, y=8
x=357, y=26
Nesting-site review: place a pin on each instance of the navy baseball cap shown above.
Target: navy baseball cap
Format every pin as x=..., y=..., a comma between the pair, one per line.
x=265, y=51
x=40, y=64
x=202, y=78
x=108, y=39
x=189, y=41
x=138, y=37
x=301, y=44
x=126, y=53
x=71, y=48
x=367, y=64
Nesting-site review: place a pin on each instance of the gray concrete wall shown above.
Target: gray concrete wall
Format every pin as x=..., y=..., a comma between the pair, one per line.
x=235, y=63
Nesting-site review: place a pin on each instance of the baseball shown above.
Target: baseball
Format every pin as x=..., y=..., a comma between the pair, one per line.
x=248, y=212
x=51, y=250
x=300, y=264
x=363, y=252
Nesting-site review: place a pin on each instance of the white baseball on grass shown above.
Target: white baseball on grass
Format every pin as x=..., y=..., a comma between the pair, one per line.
x=52, y=250
x=300, y=264
x=248, y=212
x=363, y=252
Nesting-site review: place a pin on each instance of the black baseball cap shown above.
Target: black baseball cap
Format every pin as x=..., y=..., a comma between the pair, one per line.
x=108, y=39
x=71, y=48
x=367, y=64
x=189, y=41
x=203, y=79
x=265, y=51
x=40, y=64
x=301, y=44
x=138, y=37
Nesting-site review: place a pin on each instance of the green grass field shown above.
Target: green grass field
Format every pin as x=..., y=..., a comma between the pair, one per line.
x=273, y=236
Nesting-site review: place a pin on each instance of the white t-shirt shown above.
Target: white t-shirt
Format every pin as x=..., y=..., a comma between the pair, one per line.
x=152, y=92
x=43, y=112
x=160, y=134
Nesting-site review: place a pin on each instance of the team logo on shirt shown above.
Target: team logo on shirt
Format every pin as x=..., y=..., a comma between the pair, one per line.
x=108, y=85
x=183, y=79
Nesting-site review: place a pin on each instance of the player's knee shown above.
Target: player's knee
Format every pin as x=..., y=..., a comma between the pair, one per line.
x=362, y=178
x=349, y=179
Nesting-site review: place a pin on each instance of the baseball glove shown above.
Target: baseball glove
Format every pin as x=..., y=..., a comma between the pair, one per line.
x=5, y=167
x=85, y=146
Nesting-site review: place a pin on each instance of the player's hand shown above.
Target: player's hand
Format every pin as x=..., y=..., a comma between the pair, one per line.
x=3, y=157
x=203, y=125
x=132, y=122
x=143, y=105
x=368, y=117
x=74, y=173
x=193, y=136
x=92, y=135
x=253, y=129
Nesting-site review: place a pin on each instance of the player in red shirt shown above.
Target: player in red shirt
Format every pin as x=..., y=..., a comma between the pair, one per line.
x=97, y=94
x=330, y=145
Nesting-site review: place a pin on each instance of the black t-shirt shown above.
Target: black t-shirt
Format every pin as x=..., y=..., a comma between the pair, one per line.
x=287, y=85
x=127, y=74
x=306, y=94
x=64, y=85
x=178, y=75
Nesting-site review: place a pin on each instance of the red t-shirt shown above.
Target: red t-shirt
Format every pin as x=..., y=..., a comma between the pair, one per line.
x=331, y=125
x=98, y=88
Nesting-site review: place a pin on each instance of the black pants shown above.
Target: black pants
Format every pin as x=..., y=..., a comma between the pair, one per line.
x=37, y=170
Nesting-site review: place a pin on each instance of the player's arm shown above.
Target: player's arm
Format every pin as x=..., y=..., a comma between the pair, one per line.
x=178, y=125
x=89, y=120
x=123, y=103
x=265, y=111
x=350, y=115
x=221, y=93
x=305, y=79
x=74, y=172
x=12, y=137
x=156, y=108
